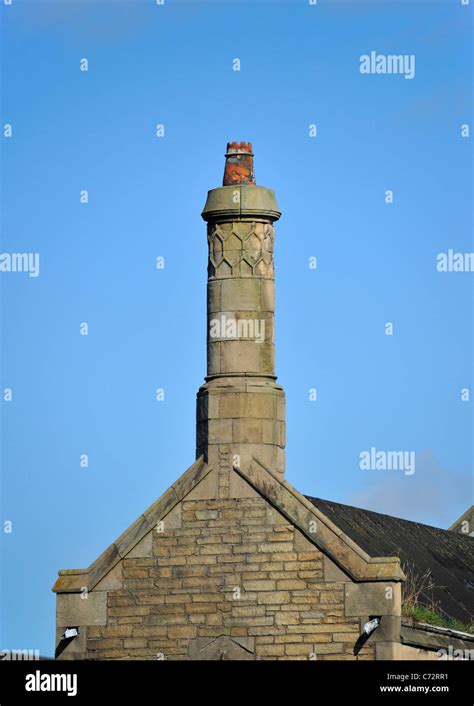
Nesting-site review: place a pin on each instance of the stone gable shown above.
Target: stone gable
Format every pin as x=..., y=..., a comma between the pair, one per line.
x=230, y=568
x=227, y=568
x=222, y=573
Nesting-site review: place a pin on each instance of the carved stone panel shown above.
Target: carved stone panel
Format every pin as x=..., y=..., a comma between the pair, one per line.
x=241, y=249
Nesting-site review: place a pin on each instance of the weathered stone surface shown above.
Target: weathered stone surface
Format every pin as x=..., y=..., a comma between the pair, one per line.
x=73, y=610
x=240, y=357
x=173, y=519
x=207, y=489
x=238, y=488
x=102, y=565
x=142, y=549
x=71, y=580
x=113, y=581
x=214, y=296
x=372, y=598
x=247, y=431
x=219, y=431
x=190, y=478
x=222, y=648
x=133, y=535
x=213, y=357
x=240, y=294
x=332, y=572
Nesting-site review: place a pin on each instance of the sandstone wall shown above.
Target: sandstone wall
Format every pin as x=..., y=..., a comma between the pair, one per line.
x=217, y=575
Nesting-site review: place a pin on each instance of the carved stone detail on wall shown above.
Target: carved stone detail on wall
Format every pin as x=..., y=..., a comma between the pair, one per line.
x=240, y=249
x=222, y=648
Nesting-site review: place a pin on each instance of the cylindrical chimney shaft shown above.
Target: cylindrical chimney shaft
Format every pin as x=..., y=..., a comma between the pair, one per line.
x=240, y=408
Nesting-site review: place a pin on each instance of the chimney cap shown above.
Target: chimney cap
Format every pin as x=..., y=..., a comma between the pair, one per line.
x=239, y=148
x=238, y=164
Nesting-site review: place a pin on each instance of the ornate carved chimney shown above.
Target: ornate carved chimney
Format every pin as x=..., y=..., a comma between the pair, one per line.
x=241, y=408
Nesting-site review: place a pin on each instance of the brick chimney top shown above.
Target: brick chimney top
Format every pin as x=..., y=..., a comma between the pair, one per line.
x=238, y=164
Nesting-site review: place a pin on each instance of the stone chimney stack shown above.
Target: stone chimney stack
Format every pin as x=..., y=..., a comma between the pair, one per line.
x=240, y=408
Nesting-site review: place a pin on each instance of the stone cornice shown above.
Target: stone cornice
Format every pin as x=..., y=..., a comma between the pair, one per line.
x=236, y=202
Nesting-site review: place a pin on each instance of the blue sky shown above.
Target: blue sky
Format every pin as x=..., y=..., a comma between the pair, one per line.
x=95, y=130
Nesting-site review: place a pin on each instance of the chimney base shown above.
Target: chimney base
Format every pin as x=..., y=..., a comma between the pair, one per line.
x=247, y=416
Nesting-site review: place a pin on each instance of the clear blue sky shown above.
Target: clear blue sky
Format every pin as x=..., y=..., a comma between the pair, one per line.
x=95, y=395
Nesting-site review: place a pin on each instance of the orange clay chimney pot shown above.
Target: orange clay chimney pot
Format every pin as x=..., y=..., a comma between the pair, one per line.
x=238, y=164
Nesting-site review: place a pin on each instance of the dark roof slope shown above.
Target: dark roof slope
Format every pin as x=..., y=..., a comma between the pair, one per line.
x=448, y=556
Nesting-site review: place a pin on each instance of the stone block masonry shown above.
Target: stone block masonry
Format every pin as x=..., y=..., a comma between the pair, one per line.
x=234, y=568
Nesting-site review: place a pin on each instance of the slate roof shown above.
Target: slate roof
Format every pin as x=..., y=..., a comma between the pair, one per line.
x=449, y=556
